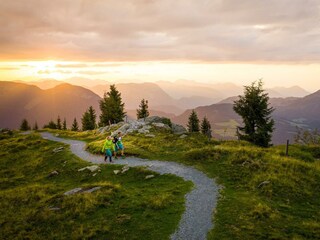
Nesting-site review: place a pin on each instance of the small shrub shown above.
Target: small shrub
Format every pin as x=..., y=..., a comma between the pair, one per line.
x=167, y=121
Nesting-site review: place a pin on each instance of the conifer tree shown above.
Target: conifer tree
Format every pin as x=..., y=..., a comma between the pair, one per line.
x=193, y=123
x=206, y=127
x=51, y=125
x=143, y=111
x=64, y=125
x=75, y=126
x=25, y=125
x=59, y=123
x=35, y=127
x=111, y=106
x=89, y=119
x=254, y=109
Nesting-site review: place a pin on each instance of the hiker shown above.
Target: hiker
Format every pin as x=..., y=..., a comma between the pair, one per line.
x=119, y=144
x=115, y=142
x=108, y=148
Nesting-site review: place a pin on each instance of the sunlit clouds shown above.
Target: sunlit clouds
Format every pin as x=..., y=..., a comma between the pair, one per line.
x=142, y=40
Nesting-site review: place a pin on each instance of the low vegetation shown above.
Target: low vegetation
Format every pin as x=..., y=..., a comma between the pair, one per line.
x=265, y=194
x=33, y=204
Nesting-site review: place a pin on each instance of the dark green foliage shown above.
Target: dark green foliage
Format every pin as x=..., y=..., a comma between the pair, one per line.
x=167, y=121
x=59, y=127
x=89, y=119
x=75, y=126
x=193, y=123
x=25, y=125
x=206, y=127
x=111, y=106
x=35, y=127
x=51, y=125
x=64, y=125
x=143, y=111
x=254, y=109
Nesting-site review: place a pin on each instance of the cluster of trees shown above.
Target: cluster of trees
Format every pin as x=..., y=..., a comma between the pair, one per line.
x=195, y=126
x=253, y=107
x=57, y=125
x=25, y=125
x=112, y=111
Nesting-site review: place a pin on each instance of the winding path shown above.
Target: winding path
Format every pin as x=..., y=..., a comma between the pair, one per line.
x=196, y=221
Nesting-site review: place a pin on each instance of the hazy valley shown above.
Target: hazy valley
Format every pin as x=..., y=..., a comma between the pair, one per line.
x=44, y=100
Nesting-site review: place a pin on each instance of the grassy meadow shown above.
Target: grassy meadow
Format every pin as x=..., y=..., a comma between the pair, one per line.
x=265, y=194
x=33, y=206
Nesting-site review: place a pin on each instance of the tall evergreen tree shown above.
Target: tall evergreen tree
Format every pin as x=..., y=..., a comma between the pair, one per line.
x=64, y=125
x=35, y=126
x=143, y=111
x=206, y=127
x=254, y=109
x=193, y=123
x=89, y=119
x=75, y=126
x=111, y=106
x=59, y=123
x=24, y=125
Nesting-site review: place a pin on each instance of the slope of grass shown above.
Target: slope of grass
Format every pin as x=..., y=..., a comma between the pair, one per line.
x=33, y=206
x=266, y=195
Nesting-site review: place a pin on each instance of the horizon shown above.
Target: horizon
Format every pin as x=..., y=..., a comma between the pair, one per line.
x=277, y=41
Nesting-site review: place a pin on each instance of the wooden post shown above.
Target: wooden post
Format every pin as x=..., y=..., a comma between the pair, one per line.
x=287, y=148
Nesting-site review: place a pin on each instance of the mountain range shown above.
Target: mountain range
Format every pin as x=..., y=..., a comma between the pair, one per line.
x=44, y=100
x=18, y=101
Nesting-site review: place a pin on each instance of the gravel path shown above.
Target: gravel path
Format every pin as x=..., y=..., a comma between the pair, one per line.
x=196, y=221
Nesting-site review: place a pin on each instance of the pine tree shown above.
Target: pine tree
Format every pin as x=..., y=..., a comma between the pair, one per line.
x=206, y=127
x=89, y=119
x=25, y=125
x=64, y=125
x=35, y=127
x=193, y=123
x=51, y=125
x=59, y=123
x=93, y=116
x=143, y=111
x=254, y=109
x=111, y=106
x=75, y=126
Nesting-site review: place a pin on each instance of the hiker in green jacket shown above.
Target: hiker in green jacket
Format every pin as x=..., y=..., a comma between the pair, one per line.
x=108, y=149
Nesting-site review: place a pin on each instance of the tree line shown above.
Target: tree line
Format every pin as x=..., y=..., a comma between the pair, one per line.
x=252, y=106
x=112, y=111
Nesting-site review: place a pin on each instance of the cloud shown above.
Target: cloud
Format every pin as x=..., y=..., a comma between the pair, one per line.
x=8, y=68
x=93, y=72
x=53, y=71
x=142, y=30
x=77, y=65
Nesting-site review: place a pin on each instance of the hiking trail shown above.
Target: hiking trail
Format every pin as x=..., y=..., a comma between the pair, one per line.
x=200, y=202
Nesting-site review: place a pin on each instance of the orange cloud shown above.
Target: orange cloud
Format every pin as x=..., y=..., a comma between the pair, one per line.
x=139, y=30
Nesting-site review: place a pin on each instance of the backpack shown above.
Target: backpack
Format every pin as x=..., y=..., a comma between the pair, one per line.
x=115, y=140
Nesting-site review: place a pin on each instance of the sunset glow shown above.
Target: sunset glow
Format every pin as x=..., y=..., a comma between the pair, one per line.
x=306, y=76
x=206, y=41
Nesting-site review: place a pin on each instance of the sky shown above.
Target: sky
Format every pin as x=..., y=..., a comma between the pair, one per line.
x=151, y=40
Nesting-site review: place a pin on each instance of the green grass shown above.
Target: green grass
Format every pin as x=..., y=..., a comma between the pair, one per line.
x=287, y=207
x=126, y=207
